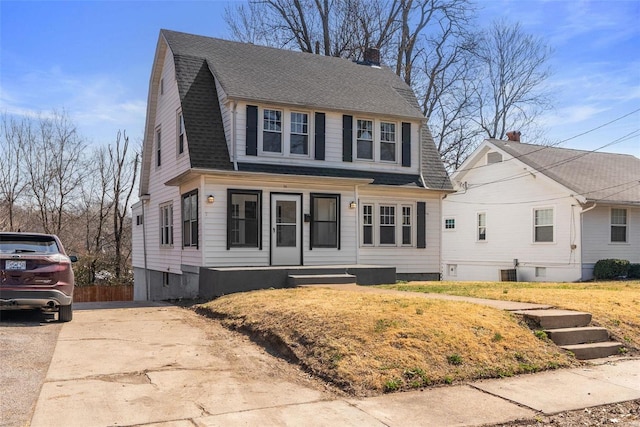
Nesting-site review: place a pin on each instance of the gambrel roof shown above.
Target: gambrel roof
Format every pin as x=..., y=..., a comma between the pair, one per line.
x=260, y=74
x=601, y=177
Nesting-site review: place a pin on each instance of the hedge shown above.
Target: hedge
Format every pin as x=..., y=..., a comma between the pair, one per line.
x=607, y=269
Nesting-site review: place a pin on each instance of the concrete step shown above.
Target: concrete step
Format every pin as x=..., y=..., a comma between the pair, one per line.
x=556, y=319
x=583, y=335
x=594, y=350
x=320, y=279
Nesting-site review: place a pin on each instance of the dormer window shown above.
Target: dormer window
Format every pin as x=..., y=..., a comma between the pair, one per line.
x=364, y=144
x=299, y=143
x=272, y=131
x=387, y=142
x=180, y=133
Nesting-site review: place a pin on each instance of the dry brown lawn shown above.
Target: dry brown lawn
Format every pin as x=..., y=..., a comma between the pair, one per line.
x=613, y=305
x=367, y=343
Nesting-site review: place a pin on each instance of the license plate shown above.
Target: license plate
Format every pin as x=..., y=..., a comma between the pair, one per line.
x=16, y=265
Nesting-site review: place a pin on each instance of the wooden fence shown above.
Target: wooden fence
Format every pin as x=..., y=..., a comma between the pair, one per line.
x=99, y=293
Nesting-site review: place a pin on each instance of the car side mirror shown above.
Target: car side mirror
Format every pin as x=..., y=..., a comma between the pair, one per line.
x=73, y=258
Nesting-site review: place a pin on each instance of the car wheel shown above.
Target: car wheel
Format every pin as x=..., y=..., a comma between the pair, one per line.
x=65, y=313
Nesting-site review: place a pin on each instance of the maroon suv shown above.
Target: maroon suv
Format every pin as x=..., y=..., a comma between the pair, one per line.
x=35, y=272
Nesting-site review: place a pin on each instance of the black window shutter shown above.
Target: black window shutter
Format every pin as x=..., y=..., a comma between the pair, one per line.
x=252, y=130
x=422, y=224
x=347, y=138
x=319, y=142
x=406, y=144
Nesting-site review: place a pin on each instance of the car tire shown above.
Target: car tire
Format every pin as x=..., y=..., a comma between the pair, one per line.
x=65, y=313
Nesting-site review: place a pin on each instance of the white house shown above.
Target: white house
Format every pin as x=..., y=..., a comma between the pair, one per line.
x=255, y=157
x=548, y=213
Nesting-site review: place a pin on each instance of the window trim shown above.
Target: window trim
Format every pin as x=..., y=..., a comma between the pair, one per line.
x=410, y=225
x=312, y=198
x=166, y=208
x=258, y=194
x=625, y=225
x=394, y=216
x=285, y=132
x=358, y=139
x=190, y=243
x=552, y=225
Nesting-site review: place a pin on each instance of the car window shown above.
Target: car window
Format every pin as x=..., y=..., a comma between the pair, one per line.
x=31, y=244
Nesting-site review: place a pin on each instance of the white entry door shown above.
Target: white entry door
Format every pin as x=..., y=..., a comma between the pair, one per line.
x=286, y=239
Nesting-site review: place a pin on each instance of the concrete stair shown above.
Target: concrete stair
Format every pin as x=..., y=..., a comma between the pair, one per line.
x=570, y=331
x=320, y=279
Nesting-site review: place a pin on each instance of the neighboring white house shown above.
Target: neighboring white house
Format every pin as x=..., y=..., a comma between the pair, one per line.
x=257, y=157
x=549, y=213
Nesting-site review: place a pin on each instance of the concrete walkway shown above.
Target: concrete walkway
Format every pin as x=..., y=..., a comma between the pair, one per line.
x=131, y=364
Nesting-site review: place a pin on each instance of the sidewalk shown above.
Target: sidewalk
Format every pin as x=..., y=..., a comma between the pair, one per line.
x=155, y=365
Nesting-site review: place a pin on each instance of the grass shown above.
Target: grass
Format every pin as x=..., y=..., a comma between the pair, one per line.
x=613, y=305
x=369, y=343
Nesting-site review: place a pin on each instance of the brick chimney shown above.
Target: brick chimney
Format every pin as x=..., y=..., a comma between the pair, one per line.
x=514, y=136
x=372, y=56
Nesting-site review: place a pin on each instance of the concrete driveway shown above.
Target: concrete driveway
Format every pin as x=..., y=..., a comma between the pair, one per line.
x=166, y=366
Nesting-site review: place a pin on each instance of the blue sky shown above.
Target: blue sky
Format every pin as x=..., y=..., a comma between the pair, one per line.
x=93, y=59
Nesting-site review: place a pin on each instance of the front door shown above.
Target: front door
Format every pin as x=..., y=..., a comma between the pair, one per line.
x=285, y=229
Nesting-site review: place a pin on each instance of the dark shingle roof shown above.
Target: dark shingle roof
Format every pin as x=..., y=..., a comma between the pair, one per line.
x=604, y=177
x=201, y=114
x=433, y=171
x=259, y=73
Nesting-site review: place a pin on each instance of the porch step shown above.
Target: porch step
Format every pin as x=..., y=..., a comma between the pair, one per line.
x=594, y=350
x=320, y=279
x=556, y=319
x=572, y=336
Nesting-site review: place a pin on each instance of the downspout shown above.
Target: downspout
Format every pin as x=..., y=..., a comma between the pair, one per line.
x=233, y=135
x=357, y=200
x=582, y=212
x=145, y=199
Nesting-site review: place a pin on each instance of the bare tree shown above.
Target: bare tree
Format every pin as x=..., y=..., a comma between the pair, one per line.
x=512, y=68
x=53, y=157
x=123, y=170
x=12, y=180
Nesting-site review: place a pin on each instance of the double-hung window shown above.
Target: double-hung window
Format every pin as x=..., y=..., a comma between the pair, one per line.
x=190, y=219
x=272, y=131
x=482, y=227
x=166, y=225
x=388, y=142
x=158, y=147
x=299, y=138
x=367, y=225
x=618, y=225
x=325, y=230
x=180, y=133
x=387, y=225
x=243, y=214
x=543, y=225
x=364, y=140
x=407, y=229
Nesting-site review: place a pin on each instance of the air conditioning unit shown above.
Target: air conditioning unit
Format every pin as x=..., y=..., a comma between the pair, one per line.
x=508, y=275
